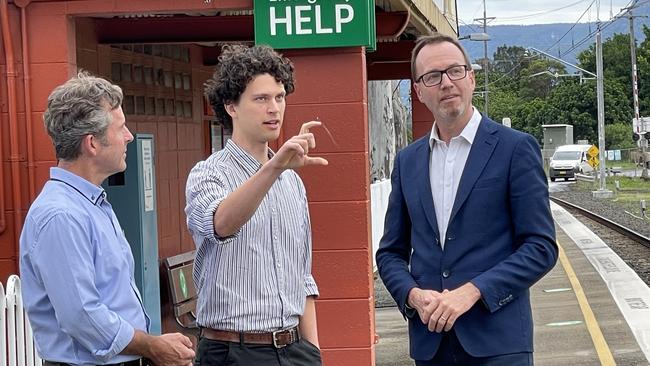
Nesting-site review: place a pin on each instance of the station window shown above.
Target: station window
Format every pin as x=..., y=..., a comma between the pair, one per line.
x=160, y=107
x=178, y=80
x=139, y=105
x=179, y=109
x=167, y=51
x=219, y=135
x=129, y=104
x=137, y=74
x=169, y=107
x=176, y=52
x=160, y=77
x=169, y=79
x=187, y=82
x=148, y=75
x=157, y=50
x=185, y=56
x=187, y=109
x=150, y=106
x=126, y=72
x=116, y=72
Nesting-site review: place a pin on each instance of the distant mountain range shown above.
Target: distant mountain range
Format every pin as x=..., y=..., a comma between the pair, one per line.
x=545, y=36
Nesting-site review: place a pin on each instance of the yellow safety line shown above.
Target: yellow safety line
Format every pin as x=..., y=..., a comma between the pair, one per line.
x=604, y=353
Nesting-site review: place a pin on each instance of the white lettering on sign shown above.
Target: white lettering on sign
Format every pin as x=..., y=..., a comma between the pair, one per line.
x=339, y=11
x=275, y=20
x=319, y=27
x=301, y=18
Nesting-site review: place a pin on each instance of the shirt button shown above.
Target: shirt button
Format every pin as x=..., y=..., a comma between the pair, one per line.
x=446, y=273
x=275, y=237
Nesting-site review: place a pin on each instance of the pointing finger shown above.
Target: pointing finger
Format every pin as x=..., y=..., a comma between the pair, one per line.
x=307, y=125
x=315, y=161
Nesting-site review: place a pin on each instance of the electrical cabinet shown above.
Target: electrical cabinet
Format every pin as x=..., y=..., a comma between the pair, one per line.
x=132, y=194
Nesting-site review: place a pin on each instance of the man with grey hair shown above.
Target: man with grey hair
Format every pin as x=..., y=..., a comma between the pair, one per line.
x=75, y=263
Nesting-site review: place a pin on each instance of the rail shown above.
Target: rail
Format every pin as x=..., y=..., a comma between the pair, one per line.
x=639, y=238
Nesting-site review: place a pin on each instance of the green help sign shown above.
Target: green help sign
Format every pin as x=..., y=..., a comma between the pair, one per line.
x=315, y=23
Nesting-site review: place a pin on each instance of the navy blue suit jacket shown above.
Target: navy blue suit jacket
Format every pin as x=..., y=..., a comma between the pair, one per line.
x=500, y=237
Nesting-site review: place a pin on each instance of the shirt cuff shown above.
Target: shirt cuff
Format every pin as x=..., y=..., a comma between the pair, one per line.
x=206, y=224
x=311, y=289
x=122, y=339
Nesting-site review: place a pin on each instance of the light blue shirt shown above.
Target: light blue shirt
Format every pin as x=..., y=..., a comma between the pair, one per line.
x=76, y=270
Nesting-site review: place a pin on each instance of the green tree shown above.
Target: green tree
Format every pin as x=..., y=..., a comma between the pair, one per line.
x=618, y=136
x=617, y=71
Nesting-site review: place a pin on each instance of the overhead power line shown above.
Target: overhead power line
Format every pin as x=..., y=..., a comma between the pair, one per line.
x=533, y=15
x=573, y=26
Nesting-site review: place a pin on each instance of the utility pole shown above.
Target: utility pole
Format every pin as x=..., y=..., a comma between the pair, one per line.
x=602, y=192
x=486, y=65
x=640, y=126
x=635, y=90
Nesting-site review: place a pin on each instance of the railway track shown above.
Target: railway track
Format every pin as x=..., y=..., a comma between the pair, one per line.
x=627, y=232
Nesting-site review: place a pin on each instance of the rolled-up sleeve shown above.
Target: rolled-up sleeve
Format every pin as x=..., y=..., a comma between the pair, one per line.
x=206, y=189
x=63, y=259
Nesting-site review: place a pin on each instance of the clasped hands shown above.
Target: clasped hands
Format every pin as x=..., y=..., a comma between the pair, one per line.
x=294, y=152
x=440, y=310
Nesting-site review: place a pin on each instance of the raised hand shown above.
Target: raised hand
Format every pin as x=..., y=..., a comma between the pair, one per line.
x=294, y=153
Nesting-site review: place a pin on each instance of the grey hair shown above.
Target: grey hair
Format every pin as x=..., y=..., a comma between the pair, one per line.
x=79, y=108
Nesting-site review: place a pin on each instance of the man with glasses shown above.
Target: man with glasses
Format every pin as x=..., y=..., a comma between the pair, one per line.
x=468, y=228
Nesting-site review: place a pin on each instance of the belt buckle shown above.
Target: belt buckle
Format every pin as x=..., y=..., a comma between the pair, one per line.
x=275, y=339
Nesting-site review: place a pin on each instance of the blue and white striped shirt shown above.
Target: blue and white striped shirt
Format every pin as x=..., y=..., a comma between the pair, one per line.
x=258, y=278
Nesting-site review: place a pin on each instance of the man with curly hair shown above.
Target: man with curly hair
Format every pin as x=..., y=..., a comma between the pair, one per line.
x=247, y=212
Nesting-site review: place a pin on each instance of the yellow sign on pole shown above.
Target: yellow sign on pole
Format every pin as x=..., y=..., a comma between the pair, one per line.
x=593, y=152
x=593, y=161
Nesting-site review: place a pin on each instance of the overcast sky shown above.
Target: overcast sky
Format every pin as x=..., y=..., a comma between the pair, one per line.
x=537, y=11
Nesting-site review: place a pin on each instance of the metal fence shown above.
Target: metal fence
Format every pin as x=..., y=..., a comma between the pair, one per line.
x=16, y=341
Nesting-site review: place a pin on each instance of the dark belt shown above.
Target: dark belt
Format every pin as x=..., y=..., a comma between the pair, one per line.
x=278, y=339
x=138, y=362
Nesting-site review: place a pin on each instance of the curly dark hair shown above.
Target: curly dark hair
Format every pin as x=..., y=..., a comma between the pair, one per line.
x=238, y=65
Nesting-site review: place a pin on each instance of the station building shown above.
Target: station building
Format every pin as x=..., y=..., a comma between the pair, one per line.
x=161, y=52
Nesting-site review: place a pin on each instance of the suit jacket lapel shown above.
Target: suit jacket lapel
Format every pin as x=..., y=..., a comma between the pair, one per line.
x=424, y=184
x=480, y=153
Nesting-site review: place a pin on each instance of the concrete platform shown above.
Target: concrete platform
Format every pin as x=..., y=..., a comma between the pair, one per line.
x=577, y=320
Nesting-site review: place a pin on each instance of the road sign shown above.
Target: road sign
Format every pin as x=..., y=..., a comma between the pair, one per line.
x=593, y=151
x=315, y=23
x=593, y=161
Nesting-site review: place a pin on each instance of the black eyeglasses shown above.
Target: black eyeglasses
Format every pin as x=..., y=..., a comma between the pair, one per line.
x=433, y=78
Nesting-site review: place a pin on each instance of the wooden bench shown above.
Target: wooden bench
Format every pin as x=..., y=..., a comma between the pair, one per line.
x=182, y=291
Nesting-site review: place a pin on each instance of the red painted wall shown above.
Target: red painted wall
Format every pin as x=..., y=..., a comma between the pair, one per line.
x=331, y=86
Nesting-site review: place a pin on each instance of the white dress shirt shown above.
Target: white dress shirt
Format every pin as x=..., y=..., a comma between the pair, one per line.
x=446, y=169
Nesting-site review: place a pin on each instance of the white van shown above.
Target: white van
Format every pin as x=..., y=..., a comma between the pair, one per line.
x=569, y=160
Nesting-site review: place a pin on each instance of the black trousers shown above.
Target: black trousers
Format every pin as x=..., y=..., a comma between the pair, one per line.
x=452, y=353
x=218, y=353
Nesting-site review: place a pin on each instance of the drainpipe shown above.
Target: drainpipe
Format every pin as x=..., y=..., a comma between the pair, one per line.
x=14, y=156
x=27, y=79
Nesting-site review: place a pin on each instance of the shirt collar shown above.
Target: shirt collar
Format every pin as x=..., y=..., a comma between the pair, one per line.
x=87, y=189
x=468, y=133
x=246, y=160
